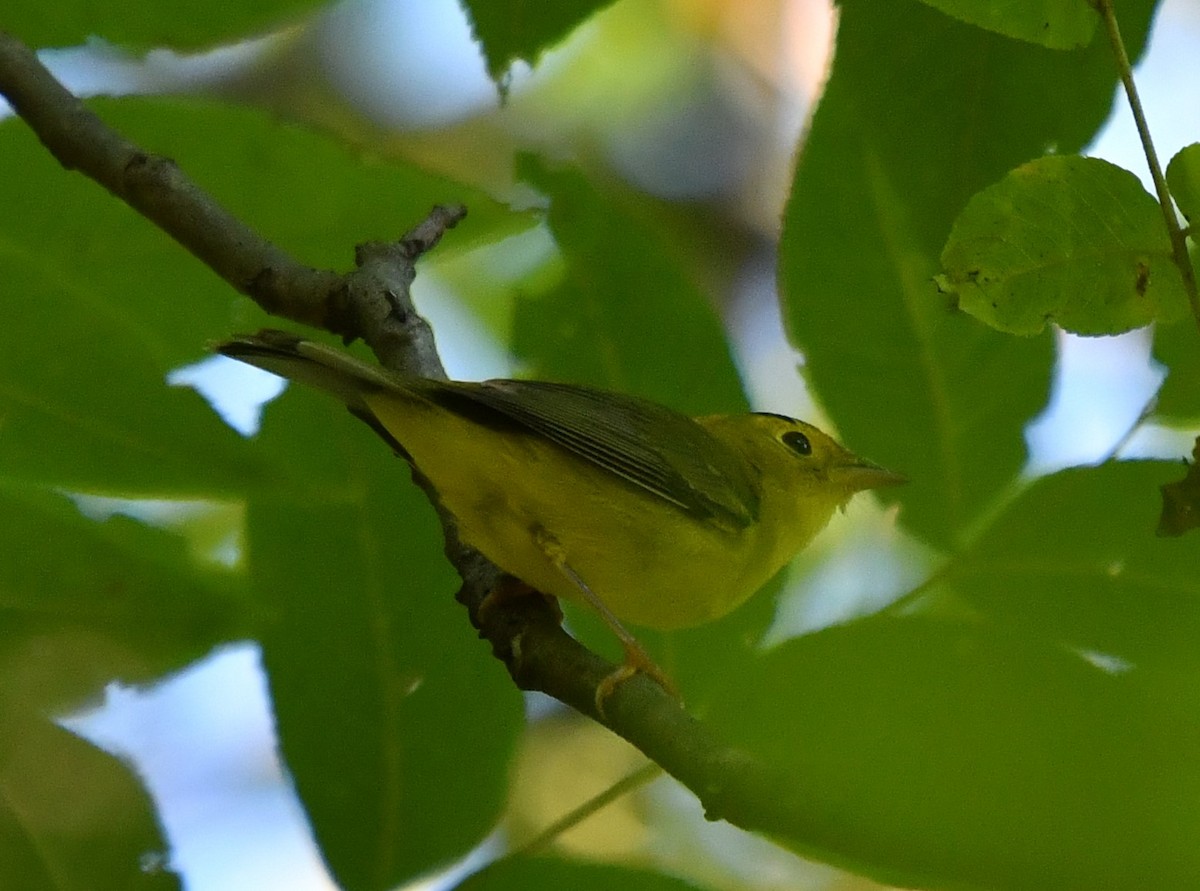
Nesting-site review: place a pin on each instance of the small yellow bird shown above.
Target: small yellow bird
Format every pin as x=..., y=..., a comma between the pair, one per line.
x=651, y=517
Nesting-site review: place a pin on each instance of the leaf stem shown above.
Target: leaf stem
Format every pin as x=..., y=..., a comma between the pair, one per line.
x=625, y=785
x=1178, y=239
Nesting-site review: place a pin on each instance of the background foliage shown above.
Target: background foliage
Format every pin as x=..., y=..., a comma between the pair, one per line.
x=1024, y=715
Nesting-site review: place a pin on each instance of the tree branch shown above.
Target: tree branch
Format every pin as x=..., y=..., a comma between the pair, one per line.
x=373, y=302
x=1177, y=236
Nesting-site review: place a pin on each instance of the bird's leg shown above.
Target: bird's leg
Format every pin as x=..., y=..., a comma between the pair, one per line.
x=636, y=657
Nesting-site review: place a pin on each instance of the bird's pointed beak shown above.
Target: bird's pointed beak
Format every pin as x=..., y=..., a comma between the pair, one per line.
x=861, y=474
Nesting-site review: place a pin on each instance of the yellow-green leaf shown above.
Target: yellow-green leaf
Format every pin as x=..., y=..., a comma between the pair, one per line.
x=1064, y=239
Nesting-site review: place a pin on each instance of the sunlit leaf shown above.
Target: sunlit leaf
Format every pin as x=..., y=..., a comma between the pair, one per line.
x=73, y=818
x=1057, y=24
x=1177, y=347
x=84, y=602
x=1070, y=240
x=1183, y=179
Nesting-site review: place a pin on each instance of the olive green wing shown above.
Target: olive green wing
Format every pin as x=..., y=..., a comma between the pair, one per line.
x=650, y=446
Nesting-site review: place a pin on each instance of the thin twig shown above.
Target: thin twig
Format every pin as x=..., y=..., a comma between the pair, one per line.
x=631, y=781
x=1178, y=239
x=1144, y=415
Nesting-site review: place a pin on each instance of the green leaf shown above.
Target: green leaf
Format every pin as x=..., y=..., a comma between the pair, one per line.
x=904, y=131
x=87, y=602
x=519, y=29
x=1075, y=241
x=73, y=818
x=521, y=873
x=184, y=24
x=938, y=754
x=1183, y=179
x=125, y=305
x=1178, y=348
x=264, y=171
x=1056, y=24
x=395, y=723
x=907, y=131
x=83, y=395
x=625, y=316
x=1076, y=558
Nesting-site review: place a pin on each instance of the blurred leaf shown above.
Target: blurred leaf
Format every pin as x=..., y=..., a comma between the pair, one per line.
x=395, y=723
x=523, y=873
x=1075, y=558
x=1177, y=347
x=1181, y=500
x=1183, y=179
x=70, y=249
x=123, y=305
x=907, y=131
x=73, y=818
x=626, y=316
x=182, y=24
x=264, y=171
x=1056, y=24
x=83, y=398
x=508, y=30
x=87, y=602
x=936, y=754
x=1064, y=239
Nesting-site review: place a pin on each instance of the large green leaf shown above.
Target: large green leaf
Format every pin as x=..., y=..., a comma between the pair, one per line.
x=1057, y=24
x=919, y=113
x=943, y=754
x=101, y=306
x=84, y=602
x=1064, y=239
x=1183, y=178
x=147, y=23
x=1177, y=347
x=73, y=818
x=625, y=316
x=394, y=721
x=1076, y=558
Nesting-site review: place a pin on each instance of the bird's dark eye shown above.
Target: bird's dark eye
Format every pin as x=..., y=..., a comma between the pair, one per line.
x=797, y=441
